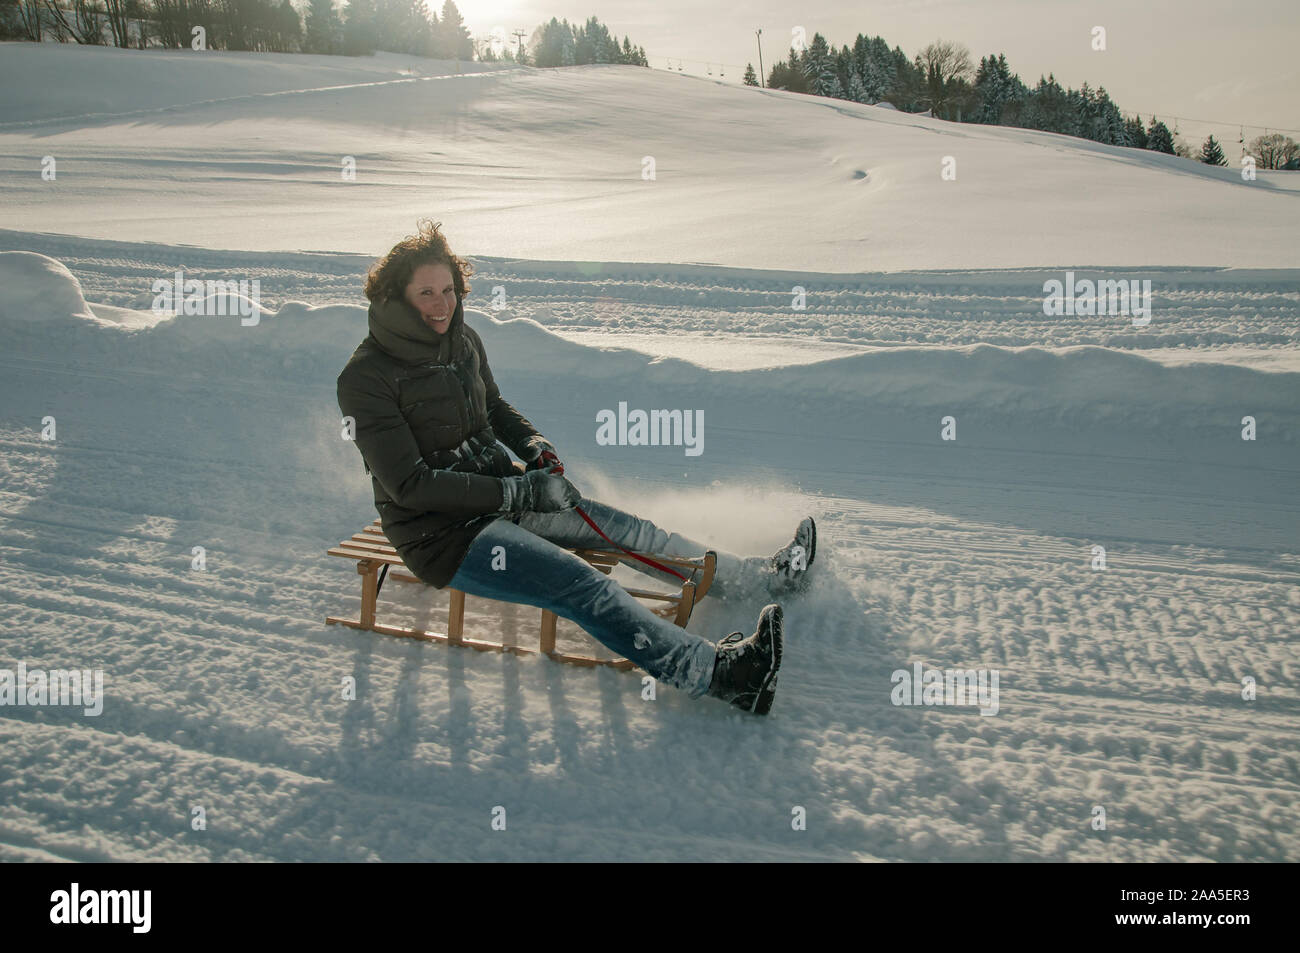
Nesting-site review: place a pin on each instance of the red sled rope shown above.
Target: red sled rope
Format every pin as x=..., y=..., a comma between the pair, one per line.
x=636, y=556
x=559, y=469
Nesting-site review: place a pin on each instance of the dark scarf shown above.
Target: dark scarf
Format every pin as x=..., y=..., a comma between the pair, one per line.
x=398, y=329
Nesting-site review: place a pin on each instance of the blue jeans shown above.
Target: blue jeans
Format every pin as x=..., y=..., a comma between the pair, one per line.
x=538, y=572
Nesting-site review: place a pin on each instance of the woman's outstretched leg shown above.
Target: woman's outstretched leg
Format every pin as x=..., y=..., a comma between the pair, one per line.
x=513, y=564
x=735, y=575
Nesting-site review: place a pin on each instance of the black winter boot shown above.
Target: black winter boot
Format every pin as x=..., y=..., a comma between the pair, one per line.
x=792, y=563
x=745, y=671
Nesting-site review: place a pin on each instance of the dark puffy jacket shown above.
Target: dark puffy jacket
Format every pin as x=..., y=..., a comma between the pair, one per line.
x=428, y=416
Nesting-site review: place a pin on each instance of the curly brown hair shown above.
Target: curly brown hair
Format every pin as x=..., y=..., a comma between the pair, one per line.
x=389, y=276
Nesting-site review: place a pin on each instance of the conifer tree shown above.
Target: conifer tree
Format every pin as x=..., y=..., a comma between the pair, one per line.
x=288, y=25
x=359, y=33
x=1159, y=138
x=878, y=77
x=1212, y=153
x=453, y=39
x=819, y=68
x=1136, y=133
x=857, y=92
x=324, y=30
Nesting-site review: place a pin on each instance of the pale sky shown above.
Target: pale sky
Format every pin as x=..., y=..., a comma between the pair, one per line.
x=1232, y=63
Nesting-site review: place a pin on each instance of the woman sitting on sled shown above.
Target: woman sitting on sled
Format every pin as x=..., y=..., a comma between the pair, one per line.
x=428, y=420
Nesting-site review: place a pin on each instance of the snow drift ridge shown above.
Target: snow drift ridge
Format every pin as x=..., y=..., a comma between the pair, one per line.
x=42, y=310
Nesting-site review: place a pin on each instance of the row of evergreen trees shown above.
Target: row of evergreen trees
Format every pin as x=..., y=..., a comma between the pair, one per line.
x=941, y=79
x=559, y=44
x=397, y=26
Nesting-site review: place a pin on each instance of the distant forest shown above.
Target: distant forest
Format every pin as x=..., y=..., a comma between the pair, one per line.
x=942, y=81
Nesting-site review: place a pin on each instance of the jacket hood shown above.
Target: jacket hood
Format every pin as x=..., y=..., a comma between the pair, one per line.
x=399, y=330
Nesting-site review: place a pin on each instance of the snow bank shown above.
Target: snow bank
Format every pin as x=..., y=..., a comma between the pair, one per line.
x=40, y=289
x=42, y=308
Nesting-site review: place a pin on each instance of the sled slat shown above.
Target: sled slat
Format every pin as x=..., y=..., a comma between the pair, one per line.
x=368, y=545
x=364, y=554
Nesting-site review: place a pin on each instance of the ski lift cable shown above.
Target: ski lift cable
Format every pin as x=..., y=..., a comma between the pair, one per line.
x=1214, y=122
x=705, y=63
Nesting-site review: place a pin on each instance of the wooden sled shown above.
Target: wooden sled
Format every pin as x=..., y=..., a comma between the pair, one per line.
x=374, y=554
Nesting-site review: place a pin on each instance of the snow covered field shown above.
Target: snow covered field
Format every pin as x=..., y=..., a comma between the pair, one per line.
x=1119, y=688
x=549, y=165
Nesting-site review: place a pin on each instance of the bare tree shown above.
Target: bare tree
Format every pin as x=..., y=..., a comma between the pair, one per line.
x=943, y=67
x=117, y=18
x=89, y=31
x=29, y=12
x=60, y=25
x=139, y=13
x=1274, y=151
x=171, y=23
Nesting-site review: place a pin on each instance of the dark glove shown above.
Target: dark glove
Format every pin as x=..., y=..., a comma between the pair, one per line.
x=539, y=454
x=537, y=491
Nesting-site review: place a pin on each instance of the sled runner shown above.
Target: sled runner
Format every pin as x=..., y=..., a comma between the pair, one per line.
x=374, y=554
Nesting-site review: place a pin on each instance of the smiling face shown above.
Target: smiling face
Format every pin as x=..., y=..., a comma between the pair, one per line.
x=433, y=294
